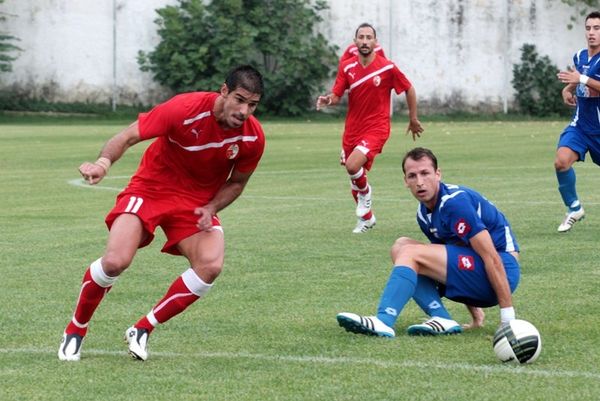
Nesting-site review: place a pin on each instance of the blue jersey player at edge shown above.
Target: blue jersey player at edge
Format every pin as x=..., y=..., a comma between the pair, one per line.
x=472, y=258
x=582, y=135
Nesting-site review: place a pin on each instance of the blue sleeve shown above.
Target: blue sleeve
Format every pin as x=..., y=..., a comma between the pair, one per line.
x=462, y=218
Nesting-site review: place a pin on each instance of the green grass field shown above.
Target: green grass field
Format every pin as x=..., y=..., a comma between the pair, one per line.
x=267, y=330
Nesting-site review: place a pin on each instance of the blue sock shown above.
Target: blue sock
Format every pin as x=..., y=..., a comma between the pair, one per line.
x=566, y=187
x=398, y=290
x=427, y=297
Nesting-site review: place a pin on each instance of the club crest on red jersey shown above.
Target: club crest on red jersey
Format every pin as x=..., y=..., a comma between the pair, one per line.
x=377, y=80
x=466, y=262
x=232, y=151
x=462, y=228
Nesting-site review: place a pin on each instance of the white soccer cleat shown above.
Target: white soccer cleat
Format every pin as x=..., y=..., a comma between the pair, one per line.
x=363, y=205
x=70, y=347
x=363, y=226
x=368, y=325
x=137, y=340
x=435, y=326
x=570, y=219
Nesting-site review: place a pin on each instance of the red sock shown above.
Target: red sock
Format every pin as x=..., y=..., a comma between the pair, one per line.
x=175, y=301
x=359, y=180
x=90, y=296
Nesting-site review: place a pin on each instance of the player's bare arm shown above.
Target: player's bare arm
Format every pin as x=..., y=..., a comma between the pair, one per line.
x=327, y=100
x=112, y=151
x=229, y=192
x=414, y=125
x=482, y=244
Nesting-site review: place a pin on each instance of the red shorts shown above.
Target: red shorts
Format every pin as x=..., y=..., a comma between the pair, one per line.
x=173, y=213
x=370, y=145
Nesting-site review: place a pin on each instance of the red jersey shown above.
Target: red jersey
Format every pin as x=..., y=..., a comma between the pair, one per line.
x=368, y=95
x=193, y=154
x=352, y=51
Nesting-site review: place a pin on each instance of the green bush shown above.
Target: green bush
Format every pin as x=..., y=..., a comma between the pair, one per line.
x=538, y=89
x=23, y=104
x=6, y=47
x=200, y=43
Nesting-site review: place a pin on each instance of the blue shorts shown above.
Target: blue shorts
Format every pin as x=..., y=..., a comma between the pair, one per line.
x=581, y=143
x=468, y=283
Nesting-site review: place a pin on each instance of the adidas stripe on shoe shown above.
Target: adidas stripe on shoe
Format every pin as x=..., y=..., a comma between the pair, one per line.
x=367, y=325
x=435, y=326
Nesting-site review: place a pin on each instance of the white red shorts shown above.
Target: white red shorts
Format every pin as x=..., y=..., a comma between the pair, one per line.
x=173, y=213
x=369, y=145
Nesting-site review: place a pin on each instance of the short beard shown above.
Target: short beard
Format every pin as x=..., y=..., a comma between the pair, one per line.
x=360, y=50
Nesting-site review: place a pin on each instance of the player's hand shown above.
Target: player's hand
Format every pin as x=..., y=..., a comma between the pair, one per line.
x=415, y=128
x=477, y=319
x=92, y=173
x=323, y=101
x=570, y=76
x=205, y=215
x=569, y=99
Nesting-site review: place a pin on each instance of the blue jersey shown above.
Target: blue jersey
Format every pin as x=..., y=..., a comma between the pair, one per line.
x=587, y=113
x=461, y=213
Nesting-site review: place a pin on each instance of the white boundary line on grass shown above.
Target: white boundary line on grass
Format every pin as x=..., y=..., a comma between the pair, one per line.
x=80, y=182
x=324, y=360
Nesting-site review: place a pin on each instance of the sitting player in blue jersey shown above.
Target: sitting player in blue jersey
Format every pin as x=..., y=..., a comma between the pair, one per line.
x=472, y=258
x=582, y=135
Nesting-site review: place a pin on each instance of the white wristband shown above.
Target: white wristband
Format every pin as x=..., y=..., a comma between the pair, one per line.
x=584, y=79
x=507, y=314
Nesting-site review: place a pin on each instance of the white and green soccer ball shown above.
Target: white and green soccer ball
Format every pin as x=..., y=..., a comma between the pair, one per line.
x=517, y=341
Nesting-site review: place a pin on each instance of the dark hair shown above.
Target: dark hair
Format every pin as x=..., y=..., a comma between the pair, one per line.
x=247, y=77
x=365, y=25
x=418, y=154
x=593, y=14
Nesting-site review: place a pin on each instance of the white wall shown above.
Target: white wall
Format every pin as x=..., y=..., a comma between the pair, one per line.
x=457, y=53
x=460, y=52
x=68, y=49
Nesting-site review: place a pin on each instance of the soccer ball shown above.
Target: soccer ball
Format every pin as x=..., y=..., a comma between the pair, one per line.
x=517, y=341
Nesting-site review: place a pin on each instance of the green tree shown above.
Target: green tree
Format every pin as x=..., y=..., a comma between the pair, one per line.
x=201, y=42
x=588, y=3
x=538, y=90
x=6, y=47
x=583, y=8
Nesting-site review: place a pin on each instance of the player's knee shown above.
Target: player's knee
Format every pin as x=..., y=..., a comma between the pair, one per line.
x=352, y=169
x=114, y=263
x=208, y=272
x=403, y=246
x=561, y=164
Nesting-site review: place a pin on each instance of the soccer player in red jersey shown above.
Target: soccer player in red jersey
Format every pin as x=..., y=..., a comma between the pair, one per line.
x=369, y=79
x=352, y=51
x=206, y=146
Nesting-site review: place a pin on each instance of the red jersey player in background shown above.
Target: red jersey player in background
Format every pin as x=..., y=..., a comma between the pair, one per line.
x=352, y=51
x=369, y=78
x=206, y=147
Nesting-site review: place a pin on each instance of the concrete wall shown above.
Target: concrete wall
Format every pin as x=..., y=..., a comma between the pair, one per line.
x=458, y=53
x=68, y=49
